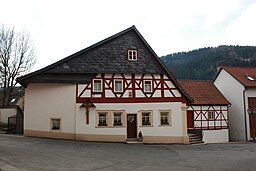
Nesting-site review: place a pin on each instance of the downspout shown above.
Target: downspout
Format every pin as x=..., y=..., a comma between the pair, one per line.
x=245, y=122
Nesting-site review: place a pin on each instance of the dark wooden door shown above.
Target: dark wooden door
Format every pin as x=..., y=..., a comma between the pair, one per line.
x=190, y=119
x=131, y=126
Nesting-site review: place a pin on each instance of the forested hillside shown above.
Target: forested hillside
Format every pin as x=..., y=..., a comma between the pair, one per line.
x=202, y=63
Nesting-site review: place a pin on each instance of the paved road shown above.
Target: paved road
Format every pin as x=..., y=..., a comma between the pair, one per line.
x=36, y=154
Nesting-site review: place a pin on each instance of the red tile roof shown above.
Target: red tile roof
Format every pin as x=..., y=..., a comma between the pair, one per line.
x=241, y=74
x=203, y=92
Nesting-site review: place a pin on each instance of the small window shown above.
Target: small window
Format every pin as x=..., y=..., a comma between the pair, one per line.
x=164, y=118
x=97, y=85
x=55, y=124
x=132, y=55
x=146, y=118
x=102, y=119
x=117, y=119
x=251, y=78
x=211, y=115
x=118, y=84
x=148, y=86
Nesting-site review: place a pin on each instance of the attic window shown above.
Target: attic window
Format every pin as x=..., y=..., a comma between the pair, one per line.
x=251, y=78
x=132, y=55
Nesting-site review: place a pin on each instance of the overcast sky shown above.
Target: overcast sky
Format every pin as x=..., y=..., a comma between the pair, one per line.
x=60, y=28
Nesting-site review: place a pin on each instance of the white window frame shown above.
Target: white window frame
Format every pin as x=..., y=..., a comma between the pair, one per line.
x=122, y=117
x=168, y=117
x=211, y=115
x=150, y=112
x=98, y=118
x=52, y=124
x=95, y=90
x=118, y=91
x=151, y=86
x=132, y=55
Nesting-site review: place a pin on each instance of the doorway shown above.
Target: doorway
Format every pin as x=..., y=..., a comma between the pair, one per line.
x=131, y=126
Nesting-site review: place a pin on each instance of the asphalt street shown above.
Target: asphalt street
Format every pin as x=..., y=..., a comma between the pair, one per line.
x=18, y=153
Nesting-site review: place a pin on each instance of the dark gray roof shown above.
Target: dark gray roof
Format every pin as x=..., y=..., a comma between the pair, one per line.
x=106, y=56
x=111, y=57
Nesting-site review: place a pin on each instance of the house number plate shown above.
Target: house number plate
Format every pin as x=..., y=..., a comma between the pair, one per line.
x=130, y=118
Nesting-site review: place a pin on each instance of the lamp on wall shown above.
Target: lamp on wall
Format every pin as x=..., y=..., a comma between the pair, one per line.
x=252, y=113
x=87, y=104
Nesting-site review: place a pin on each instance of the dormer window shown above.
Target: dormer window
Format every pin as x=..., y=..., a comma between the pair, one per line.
x=251, y=78
x=132, y=55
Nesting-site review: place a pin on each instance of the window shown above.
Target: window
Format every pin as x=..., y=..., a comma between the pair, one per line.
x=55, y=123
x=102, y=119
x=211, y=115
x=148, y=86
x=146, y=118
x=109, y=118
x=164, y=118
x=117, y=119
x=132, y=55
x=251, y=78
x=118, y=84
x=97, y=85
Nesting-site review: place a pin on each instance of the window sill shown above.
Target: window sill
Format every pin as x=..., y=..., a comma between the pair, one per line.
x=167, y=125
x=111, y=126
x=118, y=92
x=55, y=130
x=147, y=126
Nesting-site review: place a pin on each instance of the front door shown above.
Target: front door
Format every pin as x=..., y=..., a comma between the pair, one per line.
x=190, y=119
x=131, y=126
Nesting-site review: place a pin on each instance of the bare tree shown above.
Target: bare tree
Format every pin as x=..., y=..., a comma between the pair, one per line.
x=16, y=58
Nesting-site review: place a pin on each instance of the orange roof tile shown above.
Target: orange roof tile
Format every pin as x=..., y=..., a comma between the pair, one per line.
x=203, y=92
x=241, y=74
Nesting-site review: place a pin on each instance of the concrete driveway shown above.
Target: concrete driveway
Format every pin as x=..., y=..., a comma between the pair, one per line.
x=36, y=154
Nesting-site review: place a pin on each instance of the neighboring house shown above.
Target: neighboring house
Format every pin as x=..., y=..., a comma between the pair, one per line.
x=109, y=91
x=13, y=113
x=16, y=97
x=11, y=119
x=207, y=115
x=238, y=85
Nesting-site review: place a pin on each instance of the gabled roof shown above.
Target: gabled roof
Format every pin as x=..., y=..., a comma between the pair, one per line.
x=106, y=56
x=203, y=92
x=245, y=75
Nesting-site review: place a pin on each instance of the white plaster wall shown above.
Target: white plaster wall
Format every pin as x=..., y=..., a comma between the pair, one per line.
x=233, y=91
x=5, y=113
x=215, y=136
x=249, y=93
x=43, y=101
x=176, y=129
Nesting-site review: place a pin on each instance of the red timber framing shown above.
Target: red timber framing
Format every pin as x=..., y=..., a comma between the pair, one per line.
x=202, y=120
x=252, y=105
x=163, y=90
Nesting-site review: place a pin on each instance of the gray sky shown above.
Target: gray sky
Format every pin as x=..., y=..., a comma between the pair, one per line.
x=60, y=28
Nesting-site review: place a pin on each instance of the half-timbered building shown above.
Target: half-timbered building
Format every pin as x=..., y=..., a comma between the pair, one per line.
x=238, y=85
x=110, y=91
x=207, y=115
